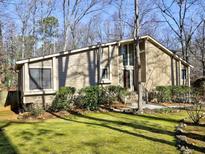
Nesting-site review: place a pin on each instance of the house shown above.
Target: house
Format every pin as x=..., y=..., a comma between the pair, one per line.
x=39, y=78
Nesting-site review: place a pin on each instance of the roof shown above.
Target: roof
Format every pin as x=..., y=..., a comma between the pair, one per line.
x=149, y=38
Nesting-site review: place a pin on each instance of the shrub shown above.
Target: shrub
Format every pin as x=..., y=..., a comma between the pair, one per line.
x=37, y=111
x=115, y=93
x=171, y=94
x=91, y=97
x=94, y=96
x=64, y=99
x=164, y=93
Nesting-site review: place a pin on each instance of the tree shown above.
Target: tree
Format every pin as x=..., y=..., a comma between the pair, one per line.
x=48, y=30
x=137, y=62
x=73, y=13
x=198, y=47
x=179, y=16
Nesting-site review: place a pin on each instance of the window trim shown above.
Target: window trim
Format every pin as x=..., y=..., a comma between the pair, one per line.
x=128, y=53
x=51, y=79
x=184, y=73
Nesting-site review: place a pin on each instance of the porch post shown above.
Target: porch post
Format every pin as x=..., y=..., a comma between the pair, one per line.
x=26, y=77
x=180, y=72
x=55, y=77
x=188, y=76
x=110, y=62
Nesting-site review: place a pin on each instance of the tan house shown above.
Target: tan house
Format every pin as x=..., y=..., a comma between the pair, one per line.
x=39, y=78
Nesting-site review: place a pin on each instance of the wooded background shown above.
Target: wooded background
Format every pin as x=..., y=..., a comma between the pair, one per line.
x=30, y=28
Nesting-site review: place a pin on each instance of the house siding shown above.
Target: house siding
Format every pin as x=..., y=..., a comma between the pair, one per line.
x=77, y=70
x=158, y=70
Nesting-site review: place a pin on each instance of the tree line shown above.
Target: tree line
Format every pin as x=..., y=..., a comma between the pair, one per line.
x=39, y=27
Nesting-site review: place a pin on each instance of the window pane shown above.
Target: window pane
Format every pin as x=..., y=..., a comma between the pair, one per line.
x=34, y=81
x=40, y=78
x=184, y=74
x=46, y=78
x=131, y=54
x=104, y=73
x=124, y=54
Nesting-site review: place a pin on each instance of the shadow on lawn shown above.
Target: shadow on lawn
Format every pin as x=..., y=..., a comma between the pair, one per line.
x=106, y=123
x=5, y=143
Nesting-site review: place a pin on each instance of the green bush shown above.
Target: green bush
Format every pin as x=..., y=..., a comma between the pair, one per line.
x=115, y=93
x=37, y=111
x=91, y=97
x=163, y=93
x=172, y=93
x=64, y=99
x=94, y=96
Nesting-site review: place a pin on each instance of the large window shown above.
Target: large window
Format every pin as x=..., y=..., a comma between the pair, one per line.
x=40, y=78
x=127, y=51
x=184, y=74
x=124, y=53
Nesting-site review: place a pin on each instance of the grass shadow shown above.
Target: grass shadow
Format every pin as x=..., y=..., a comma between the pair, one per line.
x=6, y=147
x=107, y=124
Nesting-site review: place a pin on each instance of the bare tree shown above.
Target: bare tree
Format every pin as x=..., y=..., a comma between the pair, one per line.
x=73, y=13
x=198, y=47
x=179, y=16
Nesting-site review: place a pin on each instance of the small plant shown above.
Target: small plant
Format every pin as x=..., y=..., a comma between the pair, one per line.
x=195, y=113
x=115, y=93
x=37, y=111
x=64, y=99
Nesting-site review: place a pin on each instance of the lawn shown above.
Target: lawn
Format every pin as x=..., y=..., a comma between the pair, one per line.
x=92, y=133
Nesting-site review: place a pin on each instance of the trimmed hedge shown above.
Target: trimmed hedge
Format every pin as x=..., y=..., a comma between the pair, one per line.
x=171, y=94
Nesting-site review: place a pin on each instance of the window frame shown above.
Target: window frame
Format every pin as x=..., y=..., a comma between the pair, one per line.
x=184, y=73
x=127, y=54
x=102, y=73
x=41, y=79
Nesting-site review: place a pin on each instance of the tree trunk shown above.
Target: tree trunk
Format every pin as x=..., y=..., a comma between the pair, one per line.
x=138, y=82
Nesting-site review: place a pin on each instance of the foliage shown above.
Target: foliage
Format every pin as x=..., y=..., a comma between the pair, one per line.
x=94, y=96
x=91, y=97
x=64, y=99
x=115, y=93
x=48, y=26
x=171, y=94
x=37, y=111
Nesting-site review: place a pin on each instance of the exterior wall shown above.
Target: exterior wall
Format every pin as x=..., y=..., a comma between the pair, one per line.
x=158, y=70
x=77, y=70
x=39, y=100
x=115, y=62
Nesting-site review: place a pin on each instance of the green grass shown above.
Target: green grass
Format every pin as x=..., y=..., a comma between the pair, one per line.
x=92, y=133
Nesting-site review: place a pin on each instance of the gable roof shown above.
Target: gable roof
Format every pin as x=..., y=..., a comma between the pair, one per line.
x=92, y=47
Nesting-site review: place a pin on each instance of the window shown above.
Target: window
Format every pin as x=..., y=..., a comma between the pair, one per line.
x=105, y=73
x=127, y=51
x=184, y=74
x=39, y=78
x=131, y=54
x=124, y=53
